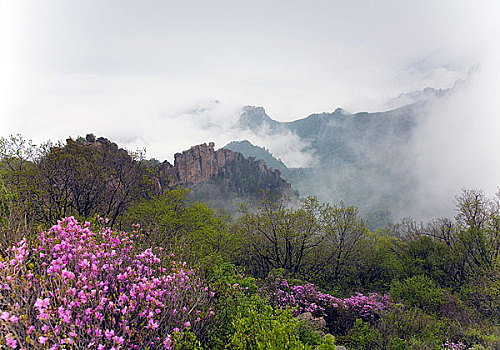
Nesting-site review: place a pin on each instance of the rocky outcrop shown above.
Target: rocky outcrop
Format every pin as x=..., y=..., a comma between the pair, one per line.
x=203, y=164
x=316, y=323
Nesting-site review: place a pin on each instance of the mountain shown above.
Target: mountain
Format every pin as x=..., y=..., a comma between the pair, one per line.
x=365, y=159
x=249, y=150
x=223, y=178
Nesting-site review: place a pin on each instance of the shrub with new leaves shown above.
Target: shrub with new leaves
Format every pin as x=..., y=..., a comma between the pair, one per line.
x=75, y=288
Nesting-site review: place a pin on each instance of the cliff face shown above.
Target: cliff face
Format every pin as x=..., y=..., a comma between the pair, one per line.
x=202, y=164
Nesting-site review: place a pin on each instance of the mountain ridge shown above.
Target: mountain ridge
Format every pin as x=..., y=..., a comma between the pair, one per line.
x=364, y=159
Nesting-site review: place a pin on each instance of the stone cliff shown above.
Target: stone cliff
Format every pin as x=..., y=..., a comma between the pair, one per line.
x=202, y=164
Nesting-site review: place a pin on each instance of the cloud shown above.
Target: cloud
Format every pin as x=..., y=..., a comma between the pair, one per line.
x=155, y=113
x=458, y=143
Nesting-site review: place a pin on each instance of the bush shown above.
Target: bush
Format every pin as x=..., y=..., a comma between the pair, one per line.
x=418, y=291
x=245, y=320
x=363, y=337
x=91, y=290
x=418, y=329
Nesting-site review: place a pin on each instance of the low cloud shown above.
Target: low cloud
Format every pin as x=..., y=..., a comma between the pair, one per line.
x=157, y=114
x=457, y=144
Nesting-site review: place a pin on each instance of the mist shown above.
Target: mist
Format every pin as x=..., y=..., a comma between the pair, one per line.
x=457, y=144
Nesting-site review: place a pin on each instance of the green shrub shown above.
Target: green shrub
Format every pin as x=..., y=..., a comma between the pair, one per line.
x=308, y=335
x=411, y=323
x=418, y=291
x=397, y=344
x=363, y=337
x=266, y=328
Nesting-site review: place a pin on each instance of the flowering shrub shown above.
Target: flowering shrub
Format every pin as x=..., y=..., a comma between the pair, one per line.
x=306, y=298
x=303, y=298
x=74, y=288
x=449, y=345
x=367, y=306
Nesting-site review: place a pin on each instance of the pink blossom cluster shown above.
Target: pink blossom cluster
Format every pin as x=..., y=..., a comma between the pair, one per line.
x=367, y=306
x=74, y=288
x=449, y=345
x=306, y=298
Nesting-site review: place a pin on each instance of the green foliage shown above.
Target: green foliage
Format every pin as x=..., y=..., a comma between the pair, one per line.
x=327, y=344
x=265, y=328
x=363, y=337
x=186, y=341
x=189, y=230
x=308, y=335
x=410, y=324
x=418, y=291
x=397, y=344
x=378, y=263
x=276, y=236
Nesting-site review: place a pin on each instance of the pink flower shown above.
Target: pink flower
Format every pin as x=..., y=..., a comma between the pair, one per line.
x=68, y=274
x=42, y=339
x=42, y=303
x=9, y=339
x=152, y=324
x=118, y=340
x=109, y=334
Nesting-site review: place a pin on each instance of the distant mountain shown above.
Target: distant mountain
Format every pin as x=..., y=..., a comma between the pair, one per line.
x=405, y=99
x=365, y=159
x=249, y=150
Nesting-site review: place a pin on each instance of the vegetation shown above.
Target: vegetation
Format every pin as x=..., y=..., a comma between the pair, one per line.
x=165, y=272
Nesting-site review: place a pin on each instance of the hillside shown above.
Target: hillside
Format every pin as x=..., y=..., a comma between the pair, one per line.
x=364, y=159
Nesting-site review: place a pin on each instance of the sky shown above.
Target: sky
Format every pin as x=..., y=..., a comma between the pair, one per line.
x=165, y=75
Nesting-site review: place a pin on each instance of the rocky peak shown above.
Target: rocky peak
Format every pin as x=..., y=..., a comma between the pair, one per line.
x=254, y=117
x=203, y=164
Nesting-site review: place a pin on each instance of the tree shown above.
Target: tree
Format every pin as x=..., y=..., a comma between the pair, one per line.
x=478, y=231
x=81, y=177
x=191, y=230
x=278, y=236
x=343, y=231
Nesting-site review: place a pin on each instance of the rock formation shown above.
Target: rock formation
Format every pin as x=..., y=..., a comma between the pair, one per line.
x=202, y=164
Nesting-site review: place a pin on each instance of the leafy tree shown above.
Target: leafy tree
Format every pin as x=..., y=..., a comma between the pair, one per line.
x=344, y=232
x=478, y=233
x=81, y=177
x=189, y=229
x=418, y=291
x=278, y=236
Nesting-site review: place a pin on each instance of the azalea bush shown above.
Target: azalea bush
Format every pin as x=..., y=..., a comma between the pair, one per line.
x=367, y=306
x=449, y=345
x=302, y=298
x=307, y=298
x=76, y=288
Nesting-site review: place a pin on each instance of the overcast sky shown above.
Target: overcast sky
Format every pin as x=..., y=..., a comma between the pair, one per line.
x=146, y=73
